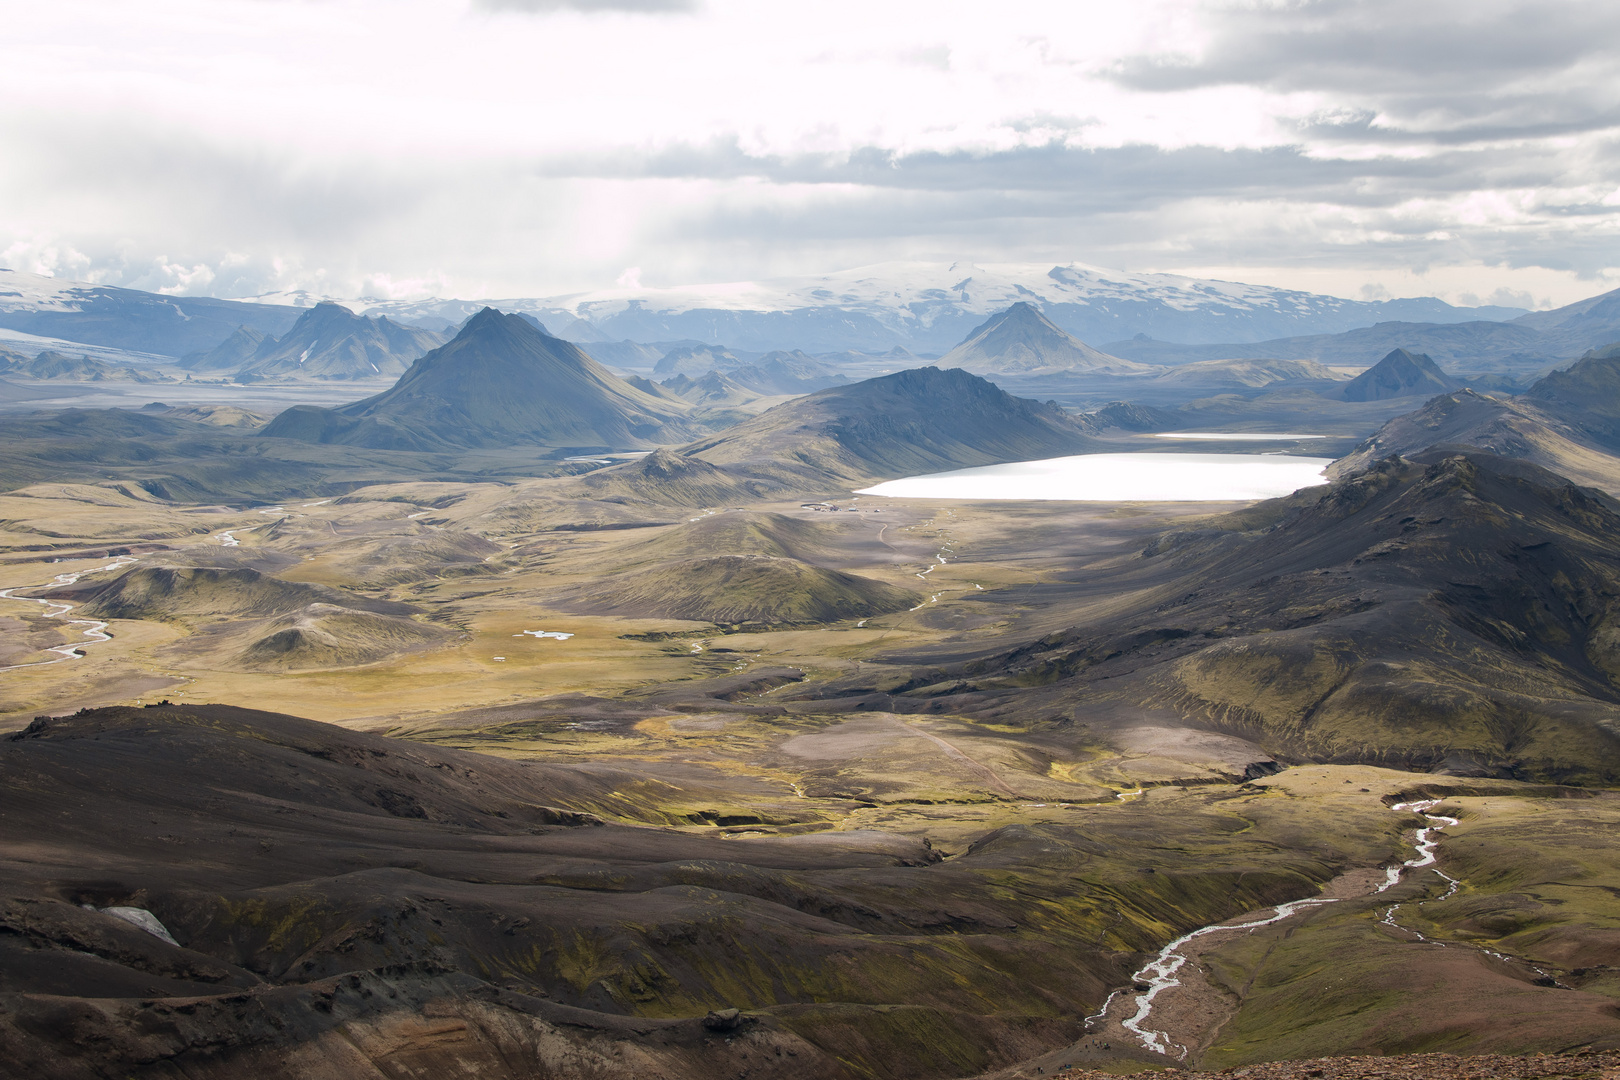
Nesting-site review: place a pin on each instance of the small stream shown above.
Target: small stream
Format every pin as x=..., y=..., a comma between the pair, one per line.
x=95, y=630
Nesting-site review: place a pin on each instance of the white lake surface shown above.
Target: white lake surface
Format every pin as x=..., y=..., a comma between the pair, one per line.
x=1237, y=436
x=1119, y=478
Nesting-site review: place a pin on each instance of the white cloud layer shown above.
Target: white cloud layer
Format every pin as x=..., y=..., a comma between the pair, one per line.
x=511, y=147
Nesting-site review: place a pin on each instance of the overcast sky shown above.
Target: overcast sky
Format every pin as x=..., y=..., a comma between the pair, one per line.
x=488, y=148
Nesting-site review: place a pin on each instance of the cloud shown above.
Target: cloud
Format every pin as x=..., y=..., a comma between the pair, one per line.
x=1454, y=70
x=546, y=7
x=1321, y=44
x=331, y=147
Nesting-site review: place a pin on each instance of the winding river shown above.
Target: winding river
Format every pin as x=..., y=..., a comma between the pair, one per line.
x=1160, y=974
x=95, y=630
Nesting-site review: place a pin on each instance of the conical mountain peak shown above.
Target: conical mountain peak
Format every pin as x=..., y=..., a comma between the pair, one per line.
x=503, y=382
x=1021, y=340
x=1399, y=374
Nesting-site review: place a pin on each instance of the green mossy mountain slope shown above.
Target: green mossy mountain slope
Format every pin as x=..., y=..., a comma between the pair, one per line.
x=500, y=382
x=1459, y=616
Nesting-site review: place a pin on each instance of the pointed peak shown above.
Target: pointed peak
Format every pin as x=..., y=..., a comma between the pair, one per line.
x=327, y=309
x=494, y=321
x=484, y=317
x=1405, y=356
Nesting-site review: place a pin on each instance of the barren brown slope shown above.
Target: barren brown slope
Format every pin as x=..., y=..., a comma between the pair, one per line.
x=1509, y=427
x=333, y=893
x=667, y=478
x=1568, y=421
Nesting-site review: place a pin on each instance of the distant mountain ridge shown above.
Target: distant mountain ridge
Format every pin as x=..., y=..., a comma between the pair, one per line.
x=925, y=308
x=52, y=366
x=929, y=307
x=128, y=318
x=1528, y=344
x=327, y=342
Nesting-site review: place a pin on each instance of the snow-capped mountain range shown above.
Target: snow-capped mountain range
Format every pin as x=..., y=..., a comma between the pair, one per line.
x=924, y=307
x=930, y=307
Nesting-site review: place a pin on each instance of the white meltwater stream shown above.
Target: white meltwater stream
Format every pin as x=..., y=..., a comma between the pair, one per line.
x=1119, y=478
x=1160, y=973
x=94, y=629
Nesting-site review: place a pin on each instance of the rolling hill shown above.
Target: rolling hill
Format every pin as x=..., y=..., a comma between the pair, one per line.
x=740, y=589
x=922, y=420
x=258, y=622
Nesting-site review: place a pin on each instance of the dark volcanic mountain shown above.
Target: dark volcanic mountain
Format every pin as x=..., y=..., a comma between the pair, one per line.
x=501, y=382
x=1510, y=428
x=918, y=421
x=1568, y=422
x=331, y=342
x=1021, y=340
x=1461, y=616
x=1400, y=374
